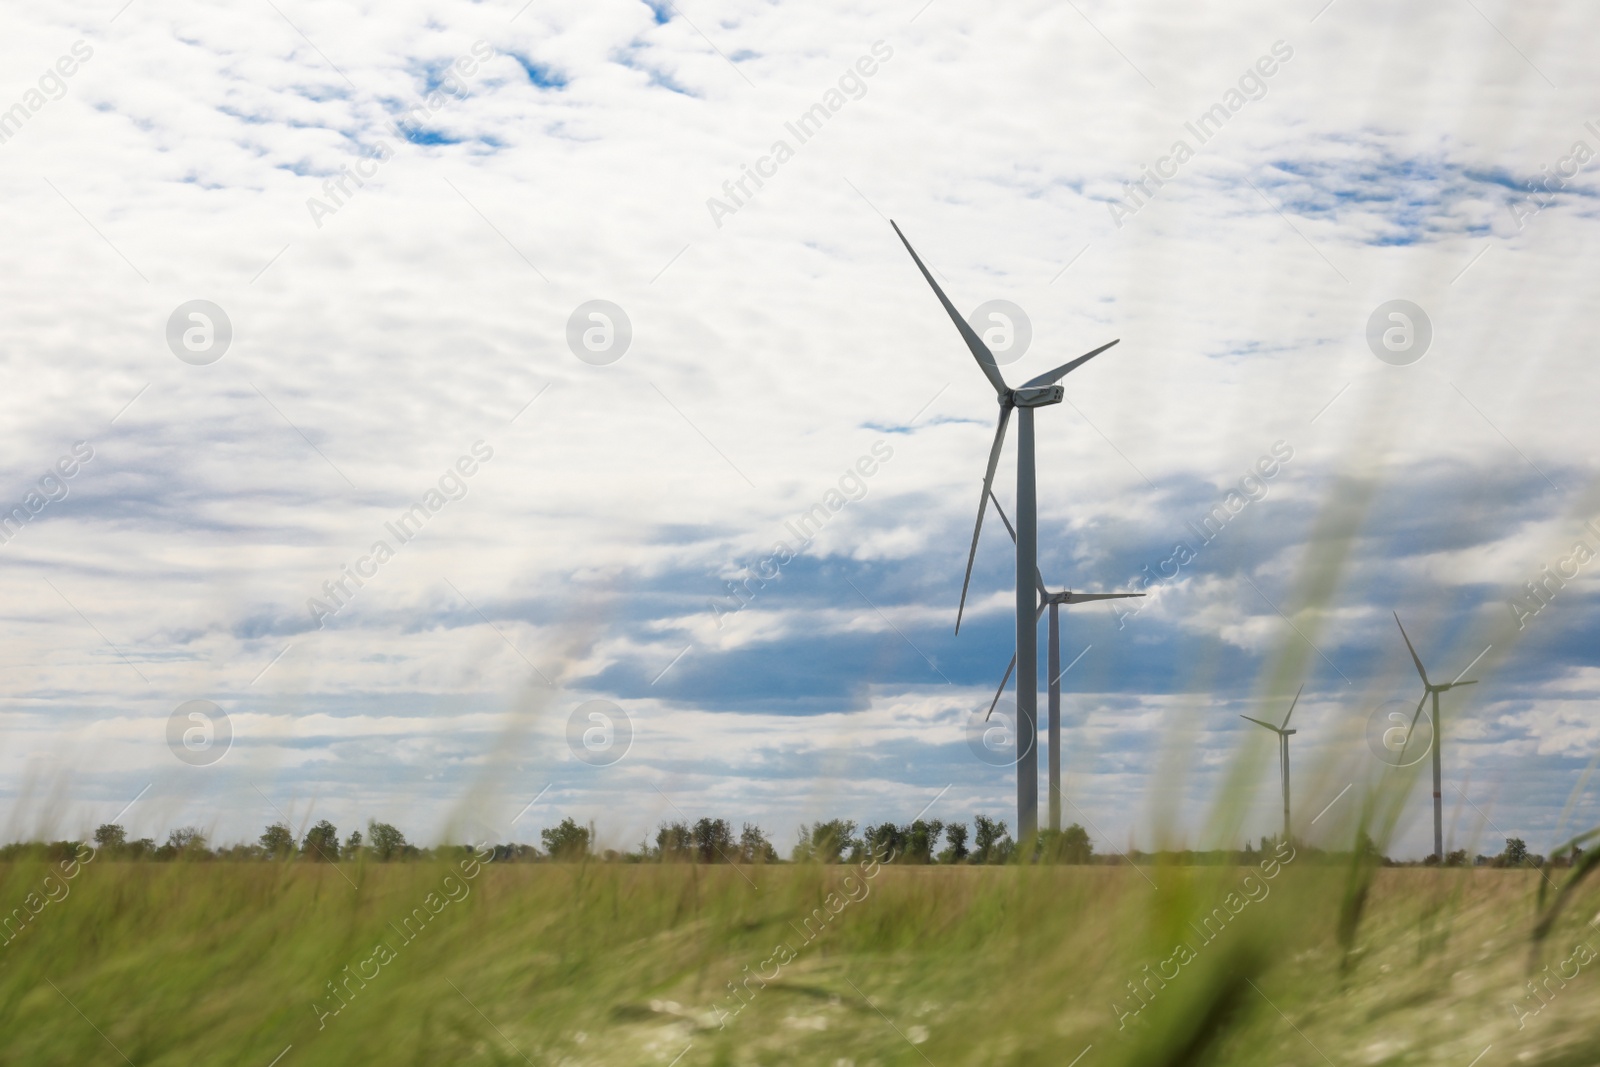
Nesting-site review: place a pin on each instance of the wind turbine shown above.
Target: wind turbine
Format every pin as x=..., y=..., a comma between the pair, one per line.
x=1038, y=392
x=1430, y=689
x=1053, y=601
x=1283, y=733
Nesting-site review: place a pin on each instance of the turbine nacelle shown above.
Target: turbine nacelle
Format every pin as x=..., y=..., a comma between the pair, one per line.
x=1039, y=396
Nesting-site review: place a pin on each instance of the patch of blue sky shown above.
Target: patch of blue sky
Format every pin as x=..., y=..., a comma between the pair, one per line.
x=323, y=93
x=242, y=116
x=664, y=81
x=1415, y=199
x=424, y=136
x=626, y=57
x=433, y=76
x=541, y=75
x=936, y=420
x=304, y=169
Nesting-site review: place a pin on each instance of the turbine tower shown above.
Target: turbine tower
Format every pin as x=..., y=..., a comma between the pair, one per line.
x=1430, y=689
x=1053, y=601
x=1283, y=733
x=1038, y=392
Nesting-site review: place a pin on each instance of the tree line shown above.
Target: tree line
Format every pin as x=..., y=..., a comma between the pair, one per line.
x=714, y=841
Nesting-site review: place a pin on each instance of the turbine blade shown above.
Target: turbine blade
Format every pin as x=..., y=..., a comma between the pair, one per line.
x=1258, y=722
x=1414, y=657
x=983, y=505
x=1413, y=726
x=1292, y=703
x=1452, y=685
x=1054, y=376
x=1009, y=668
x=1009, y=529
x=980, y=351
x=1084, y=598
x=1038, y=576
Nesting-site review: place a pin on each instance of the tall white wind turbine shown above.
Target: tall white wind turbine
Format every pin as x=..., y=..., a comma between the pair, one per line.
x=1283, y=733
x=1038, y=392
x=1430, y=689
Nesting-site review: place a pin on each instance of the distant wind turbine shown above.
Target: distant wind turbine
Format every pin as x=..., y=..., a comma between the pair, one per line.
x=1430, y=689
x=1053, y=601
x=1283, y=733
x=1038, y=392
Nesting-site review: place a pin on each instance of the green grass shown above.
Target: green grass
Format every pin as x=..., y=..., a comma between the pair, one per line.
x=220, y=963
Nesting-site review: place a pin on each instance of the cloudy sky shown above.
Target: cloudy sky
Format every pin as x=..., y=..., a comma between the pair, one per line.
x=398, y=215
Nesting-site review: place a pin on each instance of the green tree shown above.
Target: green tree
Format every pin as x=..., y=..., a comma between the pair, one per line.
x=277, y=841
x=674, y=842
x=185, y=838
x=956, y=850
x=386, y=842
x=827, y=842
x=754, y=846
x=918, y=840
x=713, y=841
x=186, y=842
x=352, y=846
x=1064, y=846
x=1075, y=845
x=321, y=843
x=992, y=843
x=111, y=837
x=1516, y=853
x=568, y=841
x=885, y=842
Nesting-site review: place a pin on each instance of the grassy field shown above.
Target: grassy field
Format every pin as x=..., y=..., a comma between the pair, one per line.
x=223, y=963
